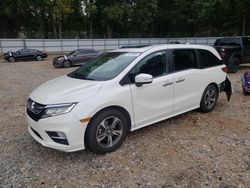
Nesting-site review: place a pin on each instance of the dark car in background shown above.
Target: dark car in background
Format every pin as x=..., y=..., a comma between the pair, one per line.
x=233, y=51
x=25, y=54
x=77, y=57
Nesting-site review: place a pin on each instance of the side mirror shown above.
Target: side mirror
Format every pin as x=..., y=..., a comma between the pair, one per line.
x=142, y=79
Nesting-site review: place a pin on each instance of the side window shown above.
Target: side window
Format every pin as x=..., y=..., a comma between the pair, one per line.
x=184, y=59
x=81, y=53
x=154, y=64
x=246, y=41
x=208, y=59
x=24, y=51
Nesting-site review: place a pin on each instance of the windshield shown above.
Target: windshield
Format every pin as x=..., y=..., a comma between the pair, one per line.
x=71, y=53
x=105, y=67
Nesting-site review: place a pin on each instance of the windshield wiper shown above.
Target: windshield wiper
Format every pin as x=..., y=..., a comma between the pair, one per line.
x=85, y=78
x=79, y=76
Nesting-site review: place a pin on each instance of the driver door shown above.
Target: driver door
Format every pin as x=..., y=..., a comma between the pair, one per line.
x=153, y=102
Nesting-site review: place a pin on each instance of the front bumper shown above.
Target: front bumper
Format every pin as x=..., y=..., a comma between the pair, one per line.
x=66, y=123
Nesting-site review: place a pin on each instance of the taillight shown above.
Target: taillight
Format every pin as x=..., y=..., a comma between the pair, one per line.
x=224, y=69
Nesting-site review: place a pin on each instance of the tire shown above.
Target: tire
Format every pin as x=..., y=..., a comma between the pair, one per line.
x=106, y=132
x=39, y=58
x=244, y=91
x=209, y=99
x=67, y=64
x=12, y=59
x=234, y=65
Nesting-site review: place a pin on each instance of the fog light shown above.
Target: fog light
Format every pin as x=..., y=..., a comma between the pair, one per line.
x=58, y=137
x=61, y=135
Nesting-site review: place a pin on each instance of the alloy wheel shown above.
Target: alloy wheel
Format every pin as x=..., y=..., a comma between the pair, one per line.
x=109, y=132
x=210, y=98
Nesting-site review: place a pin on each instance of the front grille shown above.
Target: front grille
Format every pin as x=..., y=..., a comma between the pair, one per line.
x=34, y=109
x=36, y=133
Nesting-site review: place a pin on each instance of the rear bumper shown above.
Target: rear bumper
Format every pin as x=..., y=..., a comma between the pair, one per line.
x=68, y=124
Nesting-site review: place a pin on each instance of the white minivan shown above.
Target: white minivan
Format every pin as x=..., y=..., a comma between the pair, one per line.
x=124, y=90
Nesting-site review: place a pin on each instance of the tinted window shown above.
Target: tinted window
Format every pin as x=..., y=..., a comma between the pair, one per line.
x=154, y=64
x=208, y=59
x=81, y=52
x=227, y=42
x=246, y=41
x=184, y=59
x=71, y=53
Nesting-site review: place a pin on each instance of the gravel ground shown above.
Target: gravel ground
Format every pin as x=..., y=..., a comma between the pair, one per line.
x=191, y=150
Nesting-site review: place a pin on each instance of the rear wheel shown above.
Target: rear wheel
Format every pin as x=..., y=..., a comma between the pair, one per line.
x=106, y=131
x=39, y=58
x=209, y=99
x=12, y=59
x=67, y=64
x=234, y=65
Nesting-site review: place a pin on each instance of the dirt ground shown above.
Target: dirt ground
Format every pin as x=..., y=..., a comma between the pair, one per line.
x=191, y=150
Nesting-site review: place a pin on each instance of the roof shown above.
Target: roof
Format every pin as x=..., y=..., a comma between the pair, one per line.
x=169, y=46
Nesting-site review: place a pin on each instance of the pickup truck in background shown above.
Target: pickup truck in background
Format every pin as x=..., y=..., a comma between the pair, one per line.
x=233, y=51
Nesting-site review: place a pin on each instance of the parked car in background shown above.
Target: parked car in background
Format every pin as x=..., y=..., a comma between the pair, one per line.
x=124, y=90
x=234, y=51
x=77, y=57
x=246, y=83
x=25, y=54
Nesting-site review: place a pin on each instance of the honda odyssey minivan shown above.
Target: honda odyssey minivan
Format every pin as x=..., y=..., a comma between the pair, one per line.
x=123, y=90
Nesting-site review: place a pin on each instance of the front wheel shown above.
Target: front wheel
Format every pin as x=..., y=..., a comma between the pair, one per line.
x=12, y=59
x=209, y=99
x=67, y=64
x=106, y=131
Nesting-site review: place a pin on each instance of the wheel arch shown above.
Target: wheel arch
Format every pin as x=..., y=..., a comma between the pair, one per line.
x=236, y=55
x=119, y=108
x=68, y=61
x=216, y=85
x=212, y=83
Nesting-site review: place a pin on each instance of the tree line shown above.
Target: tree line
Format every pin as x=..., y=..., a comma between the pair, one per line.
x=123, y=18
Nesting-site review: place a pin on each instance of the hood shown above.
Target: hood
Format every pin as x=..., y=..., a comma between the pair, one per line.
x=65, y=90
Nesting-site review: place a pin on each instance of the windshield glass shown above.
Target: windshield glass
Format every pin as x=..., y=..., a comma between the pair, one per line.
x=71, y=53
x=105, y=67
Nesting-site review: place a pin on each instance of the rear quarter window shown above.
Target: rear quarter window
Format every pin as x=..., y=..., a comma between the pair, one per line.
x=208, y=59
x=184, y=59
x=246, y=41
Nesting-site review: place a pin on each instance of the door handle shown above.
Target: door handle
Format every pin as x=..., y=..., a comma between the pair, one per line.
x=167, y=84
x=180, y=80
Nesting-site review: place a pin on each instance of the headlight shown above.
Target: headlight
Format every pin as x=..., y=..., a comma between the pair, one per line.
x=54, y=110
x=60, y=58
